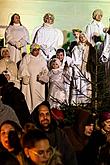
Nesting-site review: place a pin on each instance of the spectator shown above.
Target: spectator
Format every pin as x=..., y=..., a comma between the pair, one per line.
x=7, y=158
x=10, y=134
x=13, y=97
x=79, y=135
x=43, y=120
x=37, y=148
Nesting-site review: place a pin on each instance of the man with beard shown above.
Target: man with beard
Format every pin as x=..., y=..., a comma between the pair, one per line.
x=43, y=120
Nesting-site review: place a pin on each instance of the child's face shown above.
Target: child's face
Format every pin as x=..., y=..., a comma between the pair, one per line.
x=55, y=65
x=60, y=56
x=5, y=129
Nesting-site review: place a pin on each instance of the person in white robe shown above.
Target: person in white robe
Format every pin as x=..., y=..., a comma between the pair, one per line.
x=16, y=38
x=105, y=56
x=34, y=73
x=94, y=30
x=56, y=84
x=67, y=70
x=8, y=67
x=82, y=91
x=48, y=37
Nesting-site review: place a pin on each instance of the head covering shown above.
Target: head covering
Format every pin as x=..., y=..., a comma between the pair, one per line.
x=57, y=61
x=76, y=30
x=4, y=49
x=34, y=46
x=104, y=116
x=96, y=12
x=48, y=15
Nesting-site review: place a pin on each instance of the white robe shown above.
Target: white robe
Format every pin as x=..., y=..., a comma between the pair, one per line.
x=12, y=68
x=56, y=87
x=94, y=27
x=17, y=38
x=49, y=38
x=34, y=91
x=106, y=51
x=81, y=81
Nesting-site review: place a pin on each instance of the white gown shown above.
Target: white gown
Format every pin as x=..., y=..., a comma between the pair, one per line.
x=56, y=87
x=81, y=81
x=49, y=38
x=17, y=38
x=34, y=91
x=94, y=27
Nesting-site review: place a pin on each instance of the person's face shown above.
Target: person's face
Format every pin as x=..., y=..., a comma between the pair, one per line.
x=4, y=132
x=82, y=38
x=16, y=19
x=60, y=56
x=44, y=117
x=35, y=52
x=41, y=153
x=76, y=34
x=49, y=20
x=89, y=129
x=106, y=126
x=98, y=17
x=55, y=65
x=6, y=54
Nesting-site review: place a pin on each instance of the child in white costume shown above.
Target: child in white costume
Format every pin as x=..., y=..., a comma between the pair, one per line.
x=56, y=84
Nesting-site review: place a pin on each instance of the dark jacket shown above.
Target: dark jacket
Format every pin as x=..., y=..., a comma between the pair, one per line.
x=13, y=97
x=58, y=140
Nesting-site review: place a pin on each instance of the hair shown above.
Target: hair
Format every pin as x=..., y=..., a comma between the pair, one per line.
x=76, y=30
x=13, y=124
x=47, y=15
x=12, y=19
x=35, y=113
x=32, y=137
x=7, y=158
x=60, y=50
x=96, y=12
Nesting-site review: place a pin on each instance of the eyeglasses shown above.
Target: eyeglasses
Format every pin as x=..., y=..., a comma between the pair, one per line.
x=41, y=153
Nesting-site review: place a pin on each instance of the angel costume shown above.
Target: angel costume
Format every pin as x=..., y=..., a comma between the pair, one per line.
x=49, y=38
x=16, y=37
x=56, y=87
x=81, y=80
x=30, y=68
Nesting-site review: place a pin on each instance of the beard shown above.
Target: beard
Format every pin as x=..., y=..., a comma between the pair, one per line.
x=45, y=124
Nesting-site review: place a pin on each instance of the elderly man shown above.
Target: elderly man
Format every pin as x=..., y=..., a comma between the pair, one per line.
x=48, y=37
